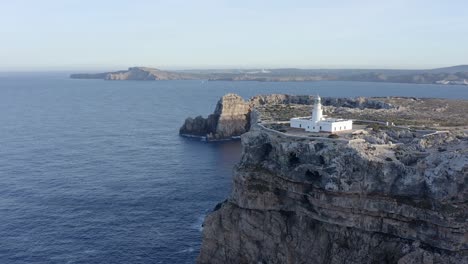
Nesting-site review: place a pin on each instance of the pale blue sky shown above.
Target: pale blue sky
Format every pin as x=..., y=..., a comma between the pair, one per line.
x=173, y=34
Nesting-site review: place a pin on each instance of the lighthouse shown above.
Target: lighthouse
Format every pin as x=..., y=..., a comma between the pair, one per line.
x=318, y=123
x=317, y=111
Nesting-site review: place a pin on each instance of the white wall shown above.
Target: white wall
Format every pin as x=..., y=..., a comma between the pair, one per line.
x=299, y=123
x=342, y=126
x=310, y=126
x=306, y=124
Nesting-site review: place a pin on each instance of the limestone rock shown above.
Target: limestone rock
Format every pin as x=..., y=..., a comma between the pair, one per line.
x=318, y=200
x=230, y=119
x=233, y=116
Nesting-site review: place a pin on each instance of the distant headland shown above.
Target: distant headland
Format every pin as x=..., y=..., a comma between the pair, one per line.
x=455, y=75
x=137, y=74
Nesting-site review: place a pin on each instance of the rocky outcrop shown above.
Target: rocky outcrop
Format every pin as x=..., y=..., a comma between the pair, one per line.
x=230, y=119
x=402, y=199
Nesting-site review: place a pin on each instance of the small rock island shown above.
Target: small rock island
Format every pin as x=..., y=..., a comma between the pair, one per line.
x=392, y=190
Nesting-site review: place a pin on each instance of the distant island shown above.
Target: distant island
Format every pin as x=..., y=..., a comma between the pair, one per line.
x=455, y=75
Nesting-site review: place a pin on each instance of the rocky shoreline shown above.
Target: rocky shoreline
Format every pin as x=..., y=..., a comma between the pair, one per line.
x=383, y=195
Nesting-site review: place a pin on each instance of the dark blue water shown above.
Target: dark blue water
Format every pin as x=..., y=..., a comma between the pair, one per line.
x=94, y=171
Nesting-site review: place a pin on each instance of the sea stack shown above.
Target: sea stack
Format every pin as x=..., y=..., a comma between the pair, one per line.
x=229, y=120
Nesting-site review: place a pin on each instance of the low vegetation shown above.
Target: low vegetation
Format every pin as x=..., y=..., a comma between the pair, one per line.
x=417, y=113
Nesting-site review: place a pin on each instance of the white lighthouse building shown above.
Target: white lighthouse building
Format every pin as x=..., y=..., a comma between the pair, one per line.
x=318, y=123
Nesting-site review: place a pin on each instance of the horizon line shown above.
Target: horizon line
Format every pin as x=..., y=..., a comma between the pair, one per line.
x=207, y=68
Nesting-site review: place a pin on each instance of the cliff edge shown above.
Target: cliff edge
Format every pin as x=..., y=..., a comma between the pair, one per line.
x=377, y=196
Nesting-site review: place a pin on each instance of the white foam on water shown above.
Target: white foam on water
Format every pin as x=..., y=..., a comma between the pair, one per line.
x=187, y=250
x=198, y=225
x=90, y=251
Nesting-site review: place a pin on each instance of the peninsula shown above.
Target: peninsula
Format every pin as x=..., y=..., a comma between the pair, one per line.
x=392, y=190
x=136, y=74
x=456, y=75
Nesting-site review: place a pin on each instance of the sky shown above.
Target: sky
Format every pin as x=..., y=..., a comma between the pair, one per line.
x=203, y=34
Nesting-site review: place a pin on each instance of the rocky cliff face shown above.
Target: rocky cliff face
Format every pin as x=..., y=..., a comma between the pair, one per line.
x=310, y=200
x=230, y=119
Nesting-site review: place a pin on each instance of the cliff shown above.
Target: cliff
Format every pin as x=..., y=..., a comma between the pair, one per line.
x=377, y=196
x=230, y=119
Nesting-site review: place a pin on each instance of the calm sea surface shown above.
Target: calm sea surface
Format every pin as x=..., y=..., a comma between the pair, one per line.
x=94, y=171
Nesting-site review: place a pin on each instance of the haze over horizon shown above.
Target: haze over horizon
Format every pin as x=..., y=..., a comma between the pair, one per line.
x=110, y=35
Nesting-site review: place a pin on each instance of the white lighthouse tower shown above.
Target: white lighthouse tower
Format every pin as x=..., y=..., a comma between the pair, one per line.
x=317, y=112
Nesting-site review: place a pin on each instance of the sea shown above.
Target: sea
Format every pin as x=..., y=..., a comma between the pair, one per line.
x=94, y=171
